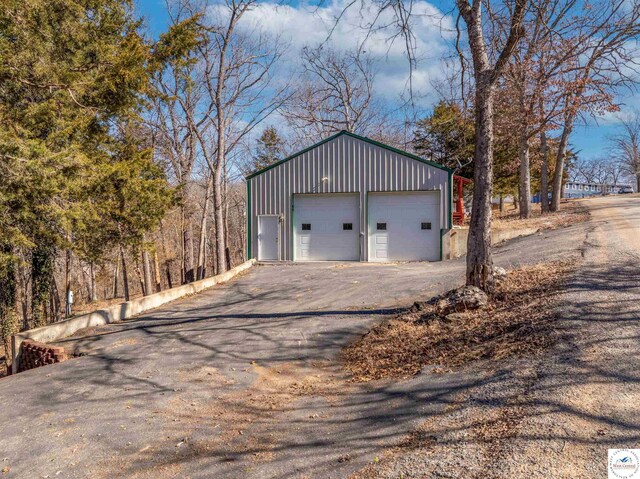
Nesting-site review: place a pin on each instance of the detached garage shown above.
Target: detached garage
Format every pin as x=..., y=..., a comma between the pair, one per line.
x=349, y=198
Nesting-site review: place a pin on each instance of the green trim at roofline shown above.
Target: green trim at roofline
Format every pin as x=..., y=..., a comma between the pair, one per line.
x=357, y=137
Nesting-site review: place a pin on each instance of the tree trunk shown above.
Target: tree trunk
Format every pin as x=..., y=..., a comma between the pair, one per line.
x=226, y=219
x=218, y=216
x=221, y=152
x=544, y=173
x=501, y=205
x=92, y=280
x=67, y=281
x=524, y=187
x=125, y=278
x=202, y=249
x=638, y=182
x=54, y=301
x=156, y=269
x=9, y=320
x=42, y=259
x=168, y=271
x=146, y=273
x=559, y=171
x=187, y=247
x=116, y=274
x=479, y=259
x=140, y=275
x=218, y=205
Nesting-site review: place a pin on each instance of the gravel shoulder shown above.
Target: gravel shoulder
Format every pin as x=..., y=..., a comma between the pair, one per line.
x=556, y=414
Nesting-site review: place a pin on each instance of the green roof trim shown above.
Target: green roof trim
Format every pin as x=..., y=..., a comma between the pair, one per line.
x=357, y=137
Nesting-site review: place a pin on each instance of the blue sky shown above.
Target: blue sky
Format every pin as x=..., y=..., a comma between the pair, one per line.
x=154, y=14
x=592, y=140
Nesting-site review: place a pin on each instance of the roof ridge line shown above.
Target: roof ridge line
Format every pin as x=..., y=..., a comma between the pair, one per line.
x=357, y=137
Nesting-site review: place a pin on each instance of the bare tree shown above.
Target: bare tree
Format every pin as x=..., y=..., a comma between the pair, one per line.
x=531, y=79
x=175, y=100
x=603, y=57
x=616, y=171
x=486, y=74
x=601, y=171
x=216, y=87
x=335, y=93
x=626, y=147
x=237, y=76
x=492, y=38
x=586, y=170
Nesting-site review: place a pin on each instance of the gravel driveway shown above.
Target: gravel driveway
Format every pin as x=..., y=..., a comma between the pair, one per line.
x=553, y=416
x=241, y=380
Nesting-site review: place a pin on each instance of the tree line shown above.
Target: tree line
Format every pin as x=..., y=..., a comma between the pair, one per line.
x=529, y=71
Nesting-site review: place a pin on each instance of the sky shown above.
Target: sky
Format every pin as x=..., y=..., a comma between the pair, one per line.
x=301, y=24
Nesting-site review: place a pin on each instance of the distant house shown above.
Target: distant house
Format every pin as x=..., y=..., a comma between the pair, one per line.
x=576, y=189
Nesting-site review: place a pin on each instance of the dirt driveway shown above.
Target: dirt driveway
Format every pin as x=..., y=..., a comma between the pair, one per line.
x=554, y=415
x=239, y=381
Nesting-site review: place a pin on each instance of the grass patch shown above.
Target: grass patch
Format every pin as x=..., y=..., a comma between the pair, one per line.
x=518, y=320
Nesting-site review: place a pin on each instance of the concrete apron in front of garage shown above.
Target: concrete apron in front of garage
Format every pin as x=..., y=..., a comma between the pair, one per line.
x=241, y=380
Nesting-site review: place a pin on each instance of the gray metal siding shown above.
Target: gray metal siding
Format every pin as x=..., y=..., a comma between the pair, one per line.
x=352, y=165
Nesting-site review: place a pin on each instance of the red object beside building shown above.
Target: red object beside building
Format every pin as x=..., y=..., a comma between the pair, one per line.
x=458, y=214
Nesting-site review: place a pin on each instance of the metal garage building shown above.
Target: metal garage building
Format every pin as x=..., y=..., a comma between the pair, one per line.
x=349, y=198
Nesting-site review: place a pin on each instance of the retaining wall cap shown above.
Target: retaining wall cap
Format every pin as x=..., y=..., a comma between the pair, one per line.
x=117, y=312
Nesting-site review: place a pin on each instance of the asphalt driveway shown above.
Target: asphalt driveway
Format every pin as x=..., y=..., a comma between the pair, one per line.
x=240, y=381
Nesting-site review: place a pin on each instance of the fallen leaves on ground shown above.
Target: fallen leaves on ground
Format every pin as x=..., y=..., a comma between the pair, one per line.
x=517, y=320
x=571, y=212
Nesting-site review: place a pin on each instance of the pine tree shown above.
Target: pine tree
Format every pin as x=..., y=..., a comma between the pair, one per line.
x=269, y=149
x=446, y=137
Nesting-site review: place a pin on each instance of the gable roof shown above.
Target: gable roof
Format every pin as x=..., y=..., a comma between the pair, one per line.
x=357, y=137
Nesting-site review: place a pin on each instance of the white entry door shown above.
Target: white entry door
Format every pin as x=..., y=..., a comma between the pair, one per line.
x=404, y=226
x=327, y=227
x=268, y=227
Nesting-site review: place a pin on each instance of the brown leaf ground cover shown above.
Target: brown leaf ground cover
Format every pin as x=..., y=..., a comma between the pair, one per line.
x=571, y=212
x=517, y=321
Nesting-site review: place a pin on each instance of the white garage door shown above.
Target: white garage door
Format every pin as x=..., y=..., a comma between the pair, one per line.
x=404, y=226
x=326, y=227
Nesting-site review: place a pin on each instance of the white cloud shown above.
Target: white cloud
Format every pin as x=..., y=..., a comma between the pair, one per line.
x=303, y=25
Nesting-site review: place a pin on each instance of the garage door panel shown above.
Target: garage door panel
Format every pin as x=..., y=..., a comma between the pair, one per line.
x=325, y=237
x=404, y=238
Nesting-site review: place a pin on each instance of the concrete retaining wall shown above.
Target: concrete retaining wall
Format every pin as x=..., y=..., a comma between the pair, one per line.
x=117, y=312
x=459, y=236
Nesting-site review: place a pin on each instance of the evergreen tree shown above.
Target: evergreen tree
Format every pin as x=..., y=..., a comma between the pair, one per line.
x=269, y=149
x=71, y=73
x=446, y=137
